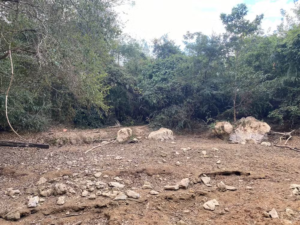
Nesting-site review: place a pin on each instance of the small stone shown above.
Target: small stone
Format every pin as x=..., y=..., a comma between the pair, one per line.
x=152, y=192
x=105, y=142
x=293, y=186
x=112, y=194
x=206, y=180
x=92, y=197
x=273, y=213
x=60, y=189
x=121, y=196
x=105, y=176
x=100, y=185
x=163, y=154
x=266, y=214
x=47, y=192
x=231, y=188
x=215, y=149
x=71, y=190
x=211, y=205
x=116, y=185
x=267, y=144
x=33, y=202
x=12, y=193
x=15, y=215
x=98, y=193
x=84, y=193
x=181, y=222
x=119, y=158
x=118, y=179
x=97, y=175
x=177, y=153
x=219, y=162
x=147, y=185
x=132, y=194
x=289, y=212
x=42, y=200
x=177, y=163
x=249, y=188
x=65, y=177
x=184, y=183
x=41, y=181
x=226, y=210
x=203, y=152
x=172, y=187
x=221, y=187
x=61, y=200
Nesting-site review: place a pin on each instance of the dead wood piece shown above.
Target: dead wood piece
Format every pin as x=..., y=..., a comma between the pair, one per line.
x=23, y=144
x=289, y=147
x=287, y=135
x=226, y=173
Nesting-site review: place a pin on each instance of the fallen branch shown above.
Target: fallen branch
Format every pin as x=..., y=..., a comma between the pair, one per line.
x=289, y=147
x=287, y=135
x=98, y=146
x=22, y=144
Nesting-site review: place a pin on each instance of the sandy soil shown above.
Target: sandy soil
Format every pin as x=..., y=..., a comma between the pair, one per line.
x=272, y=171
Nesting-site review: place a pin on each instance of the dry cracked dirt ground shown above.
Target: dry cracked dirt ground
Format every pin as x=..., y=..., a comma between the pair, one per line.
x=262, y=179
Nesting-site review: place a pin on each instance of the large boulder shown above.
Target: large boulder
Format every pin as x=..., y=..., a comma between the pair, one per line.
x=161, y=134
x=124, y=135
x=249, y=130
x=222, y=129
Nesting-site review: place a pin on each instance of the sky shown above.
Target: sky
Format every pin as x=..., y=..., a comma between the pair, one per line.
x=149, y=19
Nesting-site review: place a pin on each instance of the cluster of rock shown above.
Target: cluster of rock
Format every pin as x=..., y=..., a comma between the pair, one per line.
x=246, y=130
x=125, y=135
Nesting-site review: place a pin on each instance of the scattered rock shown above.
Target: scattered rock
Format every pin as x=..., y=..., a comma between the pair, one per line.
x=172, y=187
x=184, y=183
x=33, y=202
x=12, y=193
x=163, y=154
x=181, y=222
x=132, y=194
x=111, y=194
x=47, y=192
x=119, y=158
x=273, y=214
x=249, y=188
x=211, y=205
x=116, y=185
x=147, y=185
x=118, y=179
x=92, y=197
x=219, y=162
x=231, y=188
x=84, y=193
x=204, y=153
x=71, y=190
x=206, y=181
x=60, y=189
x=222, y=129
x=97, y=175
x=161, y=134
x=152, y=192
x=124, y=135
x=249, y=130
x=14, y=215
x=121, y=196
x=61, y=200
x=41, y=181
x=221, y=187
x=177, y=163
x=296, y=189
x=100, y=185
x=267, y=144
x=289, y=212
x=186, y=149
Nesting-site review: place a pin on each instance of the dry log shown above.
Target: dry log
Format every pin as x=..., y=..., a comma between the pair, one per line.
x=23, y=144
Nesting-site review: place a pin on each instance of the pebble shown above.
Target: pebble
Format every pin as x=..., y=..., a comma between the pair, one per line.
x=204, y=152
x=41, y=181
x=211, y=205
x=119, y=158
x=273, y=213
x=184, y=183
x=15, y=215
x=249, y=188
x=112, y=194
x=61, y=200
x=116, y=184
x=105, y=176
x=267, y=144
x=181, y=222
x=118, y=179
x=132, y=194
x=100, y=185
x=289, y=212
x=221, y=187
x=84, y=193
x=47, y=192
x=97, y=175
x=219, y=162
x=177, y=163
x=33, y=202
x=92, y=197
x=121, y=196
x=60, y=189
x=152, y=192
x=206, y=180
x=147, y=185
x=11, y=192
x=172, y=187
